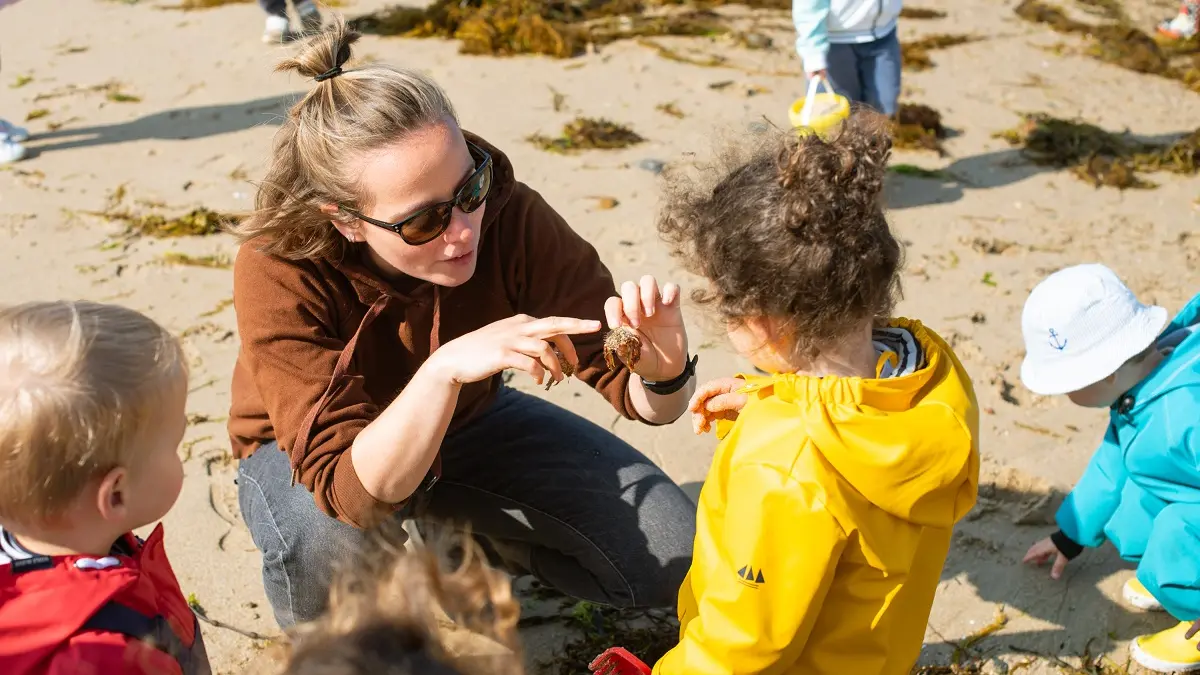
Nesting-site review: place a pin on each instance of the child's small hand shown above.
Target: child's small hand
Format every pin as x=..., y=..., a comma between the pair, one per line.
x=1041, y=553
x=1191, y=633
x=716, y=400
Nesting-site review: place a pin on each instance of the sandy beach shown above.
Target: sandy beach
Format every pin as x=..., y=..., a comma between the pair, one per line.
x=136, y=107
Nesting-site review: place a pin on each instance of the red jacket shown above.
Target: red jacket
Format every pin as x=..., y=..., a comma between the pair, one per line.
x=117, y=615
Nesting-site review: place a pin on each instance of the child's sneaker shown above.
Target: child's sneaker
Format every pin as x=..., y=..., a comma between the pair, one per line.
x=11, y=151
x=1137, y=595
x=13, y=132
x=276, y=30
x=1183, y=26
x=1167, y=652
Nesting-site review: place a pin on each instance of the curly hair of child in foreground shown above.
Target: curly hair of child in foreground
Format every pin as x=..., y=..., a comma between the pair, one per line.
x=398, y=612
x=793, y=228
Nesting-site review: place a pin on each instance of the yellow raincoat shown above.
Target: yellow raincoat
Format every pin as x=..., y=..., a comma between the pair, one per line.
x=825, y=521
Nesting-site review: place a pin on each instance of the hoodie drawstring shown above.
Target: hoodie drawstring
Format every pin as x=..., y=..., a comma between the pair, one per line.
x=304, y=435
x=437, y=321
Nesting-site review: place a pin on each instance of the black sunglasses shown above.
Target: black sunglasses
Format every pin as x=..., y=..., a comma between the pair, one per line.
x=430, y=222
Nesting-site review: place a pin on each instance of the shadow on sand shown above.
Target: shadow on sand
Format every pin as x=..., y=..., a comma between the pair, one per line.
x=176, y=125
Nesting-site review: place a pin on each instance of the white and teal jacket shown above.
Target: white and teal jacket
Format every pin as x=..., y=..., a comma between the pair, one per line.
x=820, y=23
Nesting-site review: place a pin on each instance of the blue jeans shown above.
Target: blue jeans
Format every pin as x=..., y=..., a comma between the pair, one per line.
x=546, y=492
x=868, y=73
x=274, y=7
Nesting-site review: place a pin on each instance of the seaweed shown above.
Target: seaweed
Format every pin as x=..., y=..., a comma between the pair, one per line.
x=670, y=108
x=218, y=261
x=188, y=5
x=645, y=634
x=915, y=55
x=918, y=127
x=1100, y=157
x=921, y=13
x=1119, y=42
x=199, y=222
x=585, y=133
x=547, y=27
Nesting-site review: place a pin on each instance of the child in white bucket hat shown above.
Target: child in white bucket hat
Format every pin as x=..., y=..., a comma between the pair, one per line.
x=1087, y=336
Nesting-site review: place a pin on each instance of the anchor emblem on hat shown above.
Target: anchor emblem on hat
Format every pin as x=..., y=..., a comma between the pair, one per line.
x=1057, y=342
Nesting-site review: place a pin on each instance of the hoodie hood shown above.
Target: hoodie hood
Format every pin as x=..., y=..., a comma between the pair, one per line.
x=907, y=443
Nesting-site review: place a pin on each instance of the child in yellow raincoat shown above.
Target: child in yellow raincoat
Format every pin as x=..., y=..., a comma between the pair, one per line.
x=826, y=517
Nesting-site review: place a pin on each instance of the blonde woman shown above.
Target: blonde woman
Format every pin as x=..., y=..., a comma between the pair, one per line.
x=395, y=267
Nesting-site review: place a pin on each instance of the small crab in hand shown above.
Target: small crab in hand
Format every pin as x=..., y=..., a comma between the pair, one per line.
x=624, y=343
x=567, y=369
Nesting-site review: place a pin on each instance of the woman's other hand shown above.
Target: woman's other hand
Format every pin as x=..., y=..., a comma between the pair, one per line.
x=656, y=316
x=517, y=343
x=716, y=400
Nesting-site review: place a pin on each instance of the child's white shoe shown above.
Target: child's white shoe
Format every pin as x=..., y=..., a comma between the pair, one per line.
x=1183, y=26
x=13, y=132
x=276, y=29
x=1137, y=595
x=11, y=151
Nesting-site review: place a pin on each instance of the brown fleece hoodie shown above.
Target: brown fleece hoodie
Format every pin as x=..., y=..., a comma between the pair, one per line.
x=327, y=345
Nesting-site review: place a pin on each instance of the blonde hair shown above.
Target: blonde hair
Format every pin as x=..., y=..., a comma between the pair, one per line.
x=383, y=613
x=80, y=382
x=344, y=117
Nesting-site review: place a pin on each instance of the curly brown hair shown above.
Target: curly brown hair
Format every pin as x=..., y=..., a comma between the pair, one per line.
x=398, y=612
x=792, y=229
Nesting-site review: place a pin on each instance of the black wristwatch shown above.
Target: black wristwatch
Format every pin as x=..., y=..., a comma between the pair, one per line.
x=671, y=386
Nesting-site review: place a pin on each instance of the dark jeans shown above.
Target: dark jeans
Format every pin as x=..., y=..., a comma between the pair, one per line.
x=548, y=491
x=868, y=73
x=275, y=7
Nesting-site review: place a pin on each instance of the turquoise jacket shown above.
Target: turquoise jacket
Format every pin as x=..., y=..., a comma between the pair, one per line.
x=1150, y=456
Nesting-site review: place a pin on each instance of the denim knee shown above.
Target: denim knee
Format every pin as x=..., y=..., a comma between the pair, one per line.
x=299, y=543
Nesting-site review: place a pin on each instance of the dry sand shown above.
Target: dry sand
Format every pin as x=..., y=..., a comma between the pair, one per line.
x=977, y=242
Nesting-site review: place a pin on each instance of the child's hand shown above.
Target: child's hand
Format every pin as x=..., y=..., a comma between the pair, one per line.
x=1041, y=553
x=716, y=400
x=1191, y=633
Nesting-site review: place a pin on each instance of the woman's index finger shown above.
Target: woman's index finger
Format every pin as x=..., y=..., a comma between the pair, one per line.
x=561, y=325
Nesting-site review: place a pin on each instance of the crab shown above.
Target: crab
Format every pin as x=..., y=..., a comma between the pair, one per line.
x=567, y=369
x=624, y=343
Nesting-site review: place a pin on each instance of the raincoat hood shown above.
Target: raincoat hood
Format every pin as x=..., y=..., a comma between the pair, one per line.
x=888, y=437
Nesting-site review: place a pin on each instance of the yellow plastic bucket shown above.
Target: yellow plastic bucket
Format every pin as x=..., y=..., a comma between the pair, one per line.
x=818, y=111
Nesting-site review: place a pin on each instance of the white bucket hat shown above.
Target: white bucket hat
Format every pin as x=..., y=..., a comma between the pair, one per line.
x=1080, y=325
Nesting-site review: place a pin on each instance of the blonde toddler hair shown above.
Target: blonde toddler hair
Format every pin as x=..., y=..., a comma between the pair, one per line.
x=397, y=612
x=80, y=382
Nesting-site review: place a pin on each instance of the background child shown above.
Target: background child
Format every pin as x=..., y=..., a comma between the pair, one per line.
x=390, y=610
x=826, y=517
x=92, y=409
x=853, y=43
x=1088, y=337
x=278, y=27
x=11, y=138
x=1185, y=25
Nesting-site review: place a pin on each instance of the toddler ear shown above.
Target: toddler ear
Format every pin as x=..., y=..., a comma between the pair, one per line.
x=110, y=497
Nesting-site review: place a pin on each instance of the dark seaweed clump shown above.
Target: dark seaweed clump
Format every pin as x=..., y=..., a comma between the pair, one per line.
x=1119, y=42
x=1101, y=157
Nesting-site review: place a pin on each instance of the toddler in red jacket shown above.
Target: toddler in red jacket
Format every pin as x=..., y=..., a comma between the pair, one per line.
x=92, y=409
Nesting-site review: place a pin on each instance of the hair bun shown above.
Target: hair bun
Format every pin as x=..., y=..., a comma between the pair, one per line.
x=324, y=52
x=836, y=178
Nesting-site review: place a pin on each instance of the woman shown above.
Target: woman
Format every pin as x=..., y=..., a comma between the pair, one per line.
x=391, y=272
